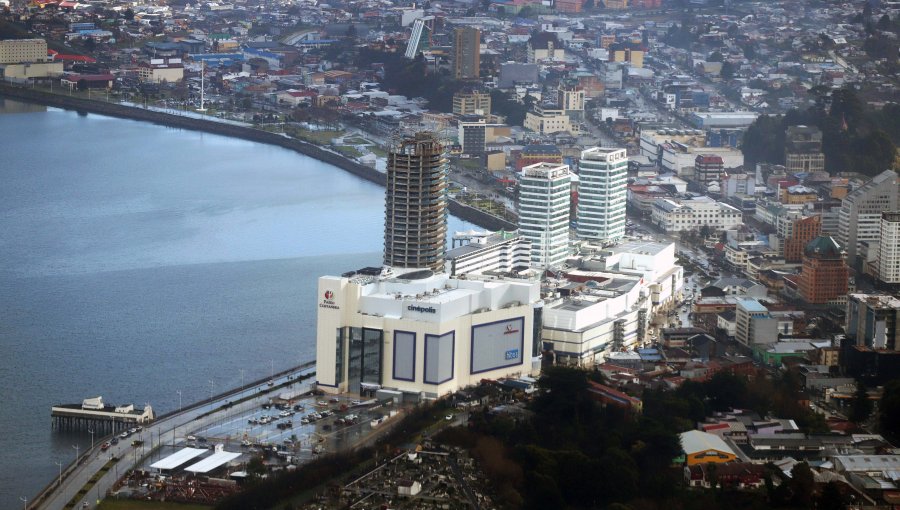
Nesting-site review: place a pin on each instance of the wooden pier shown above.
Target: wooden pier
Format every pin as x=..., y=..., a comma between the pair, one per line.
x=103, y=418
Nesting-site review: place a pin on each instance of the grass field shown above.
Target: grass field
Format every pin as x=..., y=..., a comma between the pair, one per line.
x=133, y=504
x=320, y=137
x=348, y=151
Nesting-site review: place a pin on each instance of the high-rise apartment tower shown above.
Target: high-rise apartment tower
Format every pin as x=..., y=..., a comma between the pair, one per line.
x=603, y=174
x=544, y=196
x=466, y=53
x=415, y=226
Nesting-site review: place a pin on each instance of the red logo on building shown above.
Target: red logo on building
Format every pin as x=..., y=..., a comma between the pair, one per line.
x=510, y=330
x=328, y=301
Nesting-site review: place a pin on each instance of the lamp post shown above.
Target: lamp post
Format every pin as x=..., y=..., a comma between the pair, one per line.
x=76, y=452
x=211, y=386
x=91, y=432
x=59, y=464
x=242, y=381
x=25, y=501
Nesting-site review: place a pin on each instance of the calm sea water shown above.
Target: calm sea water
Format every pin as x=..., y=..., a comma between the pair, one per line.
x=138, y=260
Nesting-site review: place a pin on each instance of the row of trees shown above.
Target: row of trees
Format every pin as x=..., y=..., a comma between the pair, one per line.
x=574, y=453
x=411, y=78
x=853, y=138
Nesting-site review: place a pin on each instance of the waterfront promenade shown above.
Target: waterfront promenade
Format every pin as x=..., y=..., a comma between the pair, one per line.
x=105, y=467
x=457, y=208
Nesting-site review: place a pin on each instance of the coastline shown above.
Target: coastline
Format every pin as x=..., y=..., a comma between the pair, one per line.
x=458, y=209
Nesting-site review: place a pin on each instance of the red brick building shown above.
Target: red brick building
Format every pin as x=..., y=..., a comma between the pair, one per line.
x=824, y=275
x=804, y=231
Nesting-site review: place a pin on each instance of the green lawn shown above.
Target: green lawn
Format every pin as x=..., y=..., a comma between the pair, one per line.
x=133, y=504
x=348, y=151
x=319, y=137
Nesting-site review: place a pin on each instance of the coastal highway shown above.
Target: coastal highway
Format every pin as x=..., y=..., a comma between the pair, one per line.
x=165, y=430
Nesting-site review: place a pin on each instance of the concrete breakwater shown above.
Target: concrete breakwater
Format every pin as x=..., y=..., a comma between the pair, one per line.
x=458, y=209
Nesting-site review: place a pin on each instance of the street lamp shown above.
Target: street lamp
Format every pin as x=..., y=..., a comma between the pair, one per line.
x=91, y=432
x=76, y=452
x=179, y=399
x=211, y=386
x=25, y=501
x=59, y=463
x=242, y=381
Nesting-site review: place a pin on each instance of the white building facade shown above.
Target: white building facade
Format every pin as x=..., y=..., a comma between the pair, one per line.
x=602, y=193
x=674, y=215
x=889, y=248
x=544, y=200
x=860, y=215
x=487, y=252
x=624, y=286
x=422, y=334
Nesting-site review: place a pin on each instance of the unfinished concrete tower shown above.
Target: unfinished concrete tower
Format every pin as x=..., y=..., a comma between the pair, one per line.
x=415, y=226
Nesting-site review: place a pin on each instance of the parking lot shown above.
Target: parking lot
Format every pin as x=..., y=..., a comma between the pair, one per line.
x=284, y=432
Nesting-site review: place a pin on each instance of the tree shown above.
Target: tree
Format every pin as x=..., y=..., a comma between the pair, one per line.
x=884, y=23
x=831, y=498
x=727, y=71
x=873, y=153
x=514, y=111
x=763, y=142
x=749, y=51
x=861, y=406
x=803, y=485
x=715, y=56
x=889, y=409
x=726, y=391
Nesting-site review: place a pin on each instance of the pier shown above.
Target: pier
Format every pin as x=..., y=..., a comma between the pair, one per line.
x=67, y=487
x=93, y=414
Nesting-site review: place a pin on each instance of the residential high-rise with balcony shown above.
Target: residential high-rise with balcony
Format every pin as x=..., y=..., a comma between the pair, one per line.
x=415, y=226
x=602, y=194
x=544, y=194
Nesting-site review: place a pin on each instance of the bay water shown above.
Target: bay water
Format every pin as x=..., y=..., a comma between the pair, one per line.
x=137, y=261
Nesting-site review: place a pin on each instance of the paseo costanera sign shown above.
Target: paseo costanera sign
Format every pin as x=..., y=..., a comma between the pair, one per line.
x=328, y=301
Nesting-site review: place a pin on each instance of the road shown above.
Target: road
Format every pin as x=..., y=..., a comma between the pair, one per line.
x=163, y=431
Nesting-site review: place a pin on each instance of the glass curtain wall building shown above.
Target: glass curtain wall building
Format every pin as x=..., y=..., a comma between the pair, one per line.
x=603, y=174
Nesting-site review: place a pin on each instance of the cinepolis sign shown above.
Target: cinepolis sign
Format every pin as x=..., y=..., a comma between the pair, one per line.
x=328, y=301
